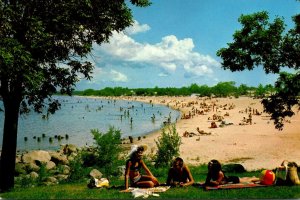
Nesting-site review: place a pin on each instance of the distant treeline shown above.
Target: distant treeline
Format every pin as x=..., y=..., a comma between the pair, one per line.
x=222, y=89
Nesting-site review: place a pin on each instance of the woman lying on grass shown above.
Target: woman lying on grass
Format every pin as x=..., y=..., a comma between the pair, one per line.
x=132, y=171
x=216, y=176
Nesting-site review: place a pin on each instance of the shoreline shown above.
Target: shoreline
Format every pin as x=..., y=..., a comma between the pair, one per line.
x=256, y=146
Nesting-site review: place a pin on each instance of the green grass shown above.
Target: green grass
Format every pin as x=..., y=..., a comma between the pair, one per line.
x=81, y=191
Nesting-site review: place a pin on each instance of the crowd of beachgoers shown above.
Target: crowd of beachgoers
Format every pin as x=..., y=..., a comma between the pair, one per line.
x=232, y=130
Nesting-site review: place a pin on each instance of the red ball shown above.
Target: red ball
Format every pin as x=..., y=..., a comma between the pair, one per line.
x=267, y=177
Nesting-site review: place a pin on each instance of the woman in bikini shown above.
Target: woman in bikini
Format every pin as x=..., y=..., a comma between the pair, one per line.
x=216, y=176
x=179, y=174
x=133, y=170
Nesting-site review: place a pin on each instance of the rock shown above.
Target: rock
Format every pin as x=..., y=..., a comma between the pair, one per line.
x=49, y=183
x=32, y=167
x=69, y=148
x=65, y=169
x=50, y=165
x=96, y=174
x=51, y=180
x=72, y=156
x=18, y=158
x=61, y=177
x=236, y=168
x=20, y=169
x=40, y=155
x=33, y=175
x=58, y=158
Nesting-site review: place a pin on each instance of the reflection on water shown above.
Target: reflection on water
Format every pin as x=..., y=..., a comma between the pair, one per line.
x=78, y=115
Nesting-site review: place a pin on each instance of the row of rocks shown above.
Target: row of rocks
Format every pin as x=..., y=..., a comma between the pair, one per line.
x=55, y=163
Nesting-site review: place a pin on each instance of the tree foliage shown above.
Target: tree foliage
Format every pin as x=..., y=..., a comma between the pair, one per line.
x=266, y=44
x=42, y=49
x=168, y=145
x=222, y=89
x=108, y=147
x=287, y=96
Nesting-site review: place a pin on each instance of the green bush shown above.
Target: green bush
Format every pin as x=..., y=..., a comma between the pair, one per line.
x=89, y=158
x=43, y=173
x=167, y=146
x=108, y=149
x=77, y=172
x=28, y=181
x=25, y=182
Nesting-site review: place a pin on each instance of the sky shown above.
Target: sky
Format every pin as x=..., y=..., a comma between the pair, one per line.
x=173, y=43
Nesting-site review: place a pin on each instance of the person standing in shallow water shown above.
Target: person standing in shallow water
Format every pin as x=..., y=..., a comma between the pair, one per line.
x=179, y=174
x=133, y=170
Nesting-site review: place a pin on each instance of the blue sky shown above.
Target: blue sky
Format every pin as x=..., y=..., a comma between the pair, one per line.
x=173, y=43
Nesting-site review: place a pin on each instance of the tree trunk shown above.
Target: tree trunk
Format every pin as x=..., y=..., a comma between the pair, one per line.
x=9, y=143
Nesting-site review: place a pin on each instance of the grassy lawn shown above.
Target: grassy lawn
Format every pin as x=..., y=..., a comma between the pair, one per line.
x=80, y=190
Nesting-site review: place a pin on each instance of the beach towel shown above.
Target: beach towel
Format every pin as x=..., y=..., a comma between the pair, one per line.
x=146, y=192
x=235, y=186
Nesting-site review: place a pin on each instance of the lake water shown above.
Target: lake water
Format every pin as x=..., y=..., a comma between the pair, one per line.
x=78, y=115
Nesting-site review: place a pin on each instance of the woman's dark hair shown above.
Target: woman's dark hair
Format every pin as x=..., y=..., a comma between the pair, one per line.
x=140, y=148
x=179, y=160
x=214, y=166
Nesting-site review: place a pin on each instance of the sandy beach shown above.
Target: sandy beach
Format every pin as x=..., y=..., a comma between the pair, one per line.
x=255, y=143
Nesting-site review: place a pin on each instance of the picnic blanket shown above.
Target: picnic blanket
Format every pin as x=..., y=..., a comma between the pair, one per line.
x=146, y=192
x=235, y=186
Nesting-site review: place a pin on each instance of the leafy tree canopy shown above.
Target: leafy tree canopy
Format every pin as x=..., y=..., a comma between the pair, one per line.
x=43, y=44
x=267, y=44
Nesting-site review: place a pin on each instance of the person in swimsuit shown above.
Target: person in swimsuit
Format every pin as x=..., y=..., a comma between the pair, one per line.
x=133, y=170
x=179, y=174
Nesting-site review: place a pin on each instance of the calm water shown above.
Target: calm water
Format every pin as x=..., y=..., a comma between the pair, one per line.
x=78, y=115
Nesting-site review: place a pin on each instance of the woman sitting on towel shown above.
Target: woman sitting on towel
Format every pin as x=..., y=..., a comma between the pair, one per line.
x=179, y=174
x=133, y=167
x=216, y=176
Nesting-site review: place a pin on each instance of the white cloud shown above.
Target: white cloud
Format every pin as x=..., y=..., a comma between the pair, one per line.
x=169, y=54
x=137, y=28
x=163, y=74
x=101, y=75
x=97, y=75
x=118, y=76
x=197, y=70
x=168, y=66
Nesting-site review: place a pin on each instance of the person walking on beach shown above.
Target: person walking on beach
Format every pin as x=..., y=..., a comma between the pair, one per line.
x=133, y=170
x=179, y=174
x=250, y=118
